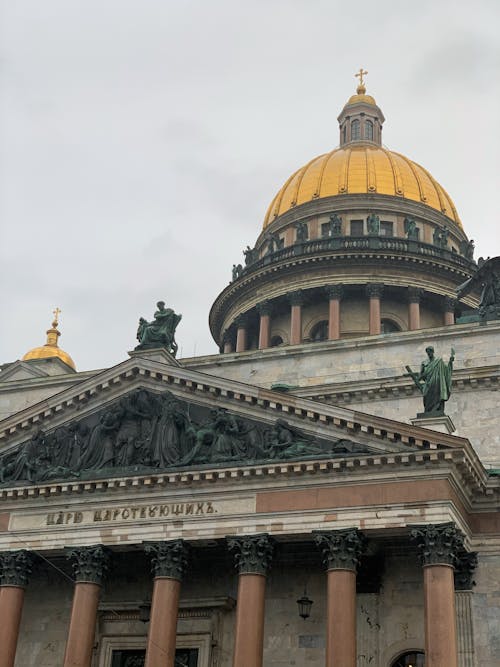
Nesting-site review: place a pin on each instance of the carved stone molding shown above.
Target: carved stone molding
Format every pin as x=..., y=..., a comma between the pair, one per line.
x=168, y=559
x=15, y=568
x=415, y=294
x=296, y=298
x=374, y=290
x=90, y=564
x=464, y=570
x=439, y=544
x=252, y=553
x=341, y=549
x=335, y=291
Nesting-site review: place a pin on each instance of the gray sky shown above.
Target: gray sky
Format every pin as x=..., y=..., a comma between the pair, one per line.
x=141, y=142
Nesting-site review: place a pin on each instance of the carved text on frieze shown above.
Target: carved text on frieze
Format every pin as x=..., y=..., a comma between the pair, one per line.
x=132, y=512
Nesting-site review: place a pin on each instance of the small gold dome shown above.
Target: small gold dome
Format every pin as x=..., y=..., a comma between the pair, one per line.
x=361, y=168
x=51, y=348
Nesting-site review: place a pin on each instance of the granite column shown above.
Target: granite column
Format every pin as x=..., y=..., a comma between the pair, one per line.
x=169, y=561
x=253, y=557
x=341, y=551
x=90, y=565
x=15, y=567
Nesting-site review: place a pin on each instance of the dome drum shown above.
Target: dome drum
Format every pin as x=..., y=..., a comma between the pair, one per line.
x=396, y=306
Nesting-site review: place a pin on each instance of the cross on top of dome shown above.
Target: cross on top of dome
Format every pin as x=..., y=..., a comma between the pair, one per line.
x=361, y=89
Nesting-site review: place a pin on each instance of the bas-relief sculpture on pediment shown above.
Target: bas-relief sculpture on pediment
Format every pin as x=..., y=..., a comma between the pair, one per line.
x=145, y=432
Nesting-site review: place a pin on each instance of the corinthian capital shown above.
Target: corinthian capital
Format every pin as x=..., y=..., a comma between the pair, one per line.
x=90, y=564
x=252, y=553
x=15, y=568
x=439, y=544
x=168, y=559
x=341, y=549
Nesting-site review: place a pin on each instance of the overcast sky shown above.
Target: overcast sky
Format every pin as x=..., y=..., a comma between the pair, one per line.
x=142, y=141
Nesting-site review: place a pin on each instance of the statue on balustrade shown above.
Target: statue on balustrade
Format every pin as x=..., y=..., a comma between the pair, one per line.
x=467, y=249
x=411, y=229
x=434, y=382
x=335, y=225
x=250, y=255
x=237, y=272
x=373, y=224
x=301, y=232
x=274, y=243
x=160, y=332
x=440, y=237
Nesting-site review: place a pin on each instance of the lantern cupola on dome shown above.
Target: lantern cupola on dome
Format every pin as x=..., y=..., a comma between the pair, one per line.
x=361, y=119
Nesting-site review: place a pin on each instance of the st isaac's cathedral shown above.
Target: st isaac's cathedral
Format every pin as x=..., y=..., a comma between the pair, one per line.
x=324, y=491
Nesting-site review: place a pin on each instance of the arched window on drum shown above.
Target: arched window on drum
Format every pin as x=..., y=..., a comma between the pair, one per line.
x=355, y=130
x=368, y=130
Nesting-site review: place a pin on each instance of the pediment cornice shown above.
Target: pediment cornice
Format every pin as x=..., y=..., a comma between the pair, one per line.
x=254, y=402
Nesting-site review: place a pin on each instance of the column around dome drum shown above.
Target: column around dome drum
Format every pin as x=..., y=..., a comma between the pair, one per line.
x=296, y=300
x=374, y=292
x=227, y=342
x=414, y=296
x=241, y=333
x=449, y=311
x=334, y=293
x=264, y=309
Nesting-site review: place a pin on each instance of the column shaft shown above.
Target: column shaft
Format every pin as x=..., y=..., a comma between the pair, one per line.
x=449, y=317
x=241, y=338
x=163, y=625
x=249, y=634
x=341, y=619
x=228, y=347
x=374, y=315
x=334, y=319
x=295, y=324
x=264, y=331
x=414, y=315
x=81, y=634
x=11, y=608
x=440, y=630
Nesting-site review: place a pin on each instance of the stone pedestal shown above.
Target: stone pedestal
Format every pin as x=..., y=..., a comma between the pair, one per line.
x=440, y=423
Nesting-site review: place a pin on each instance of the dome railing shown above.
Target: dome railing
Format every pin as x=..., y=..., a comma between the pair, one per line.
x=358, y=244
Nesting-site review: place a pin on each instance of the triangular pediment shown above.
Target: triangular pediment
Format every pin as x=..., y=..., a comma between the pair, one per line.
x=147, y=415
x=21, y=370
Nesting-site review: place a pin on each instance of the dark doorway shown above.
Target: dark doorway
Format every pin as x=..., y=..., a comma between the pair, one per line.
x=413, y=659
x=184, y=657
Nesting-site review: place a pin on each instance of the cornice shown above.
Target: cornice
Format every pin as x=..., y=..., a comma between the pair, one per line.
x=389, y=388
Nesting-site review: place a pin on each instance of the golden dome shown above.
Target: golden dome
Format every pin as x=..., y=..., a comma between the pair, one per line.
x=51, y=348
x=361, y=168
